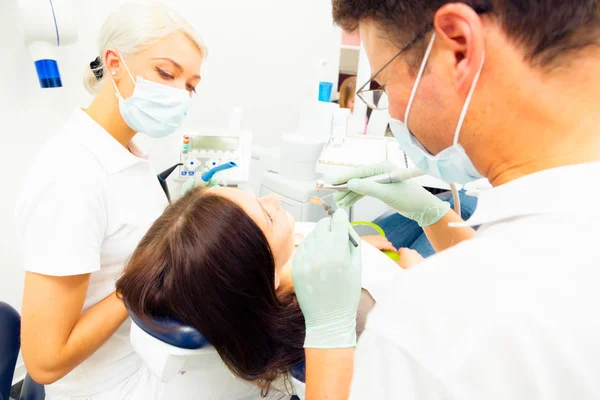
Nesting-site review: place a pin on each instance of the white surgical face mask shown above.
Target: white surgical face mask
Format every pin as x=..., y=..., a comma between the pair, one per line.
x=452, y=165
x=153, y=109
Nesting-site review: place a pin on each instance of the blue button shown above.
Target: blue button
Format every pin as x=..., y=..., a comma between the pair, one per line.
x=214, y=163
x=183, y=173
x=192, y=173
x=191, y=163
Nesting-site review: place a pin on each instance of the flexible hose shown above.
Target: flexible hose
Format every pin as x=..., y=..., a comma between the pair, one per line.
x=456, y=197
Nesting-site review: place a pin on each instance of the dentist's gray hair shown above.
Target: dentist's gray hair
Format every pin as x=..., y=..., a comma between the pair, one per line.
x=133, y=28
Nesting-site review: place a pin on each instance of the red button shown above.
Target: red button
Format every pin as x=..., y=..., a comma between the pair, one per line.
x=186, y=137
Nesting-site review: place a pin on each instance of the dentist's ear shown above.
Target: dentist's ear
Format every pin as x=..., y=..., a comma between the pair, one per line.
x=460, y=31
x=277, y=280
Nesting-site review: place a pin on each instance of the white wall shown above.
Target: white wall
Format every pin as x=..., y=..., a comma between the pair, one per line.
x=255, y=47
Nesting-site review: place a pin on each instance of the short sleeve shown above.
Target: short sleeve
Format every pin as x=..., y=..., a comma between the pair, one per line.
x=383, y=371
x=62, y=226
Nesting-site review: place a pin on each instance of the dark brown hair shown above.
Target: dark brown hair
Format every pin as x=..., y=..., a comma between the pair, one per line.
x=347, y=91
x=546, y=29
x=205, y=262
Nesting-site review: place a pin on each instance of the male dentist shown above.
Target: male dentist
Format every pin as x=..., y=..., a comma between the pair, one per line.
x=508, y=90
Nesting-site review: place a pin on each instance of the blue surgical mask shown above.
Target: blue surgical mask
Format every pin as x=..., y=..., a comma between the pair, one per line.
x=153, y=109
x=452, y=165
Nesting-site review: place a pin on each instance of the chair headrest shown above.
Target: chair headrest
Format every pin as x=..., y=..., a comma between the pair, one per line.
x=171, y=331
x=299, y=371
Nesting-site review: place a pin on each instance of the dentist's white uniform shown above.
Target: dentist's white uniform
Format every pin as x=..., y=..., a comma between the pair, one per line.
x=86, y=204
x=518, y=303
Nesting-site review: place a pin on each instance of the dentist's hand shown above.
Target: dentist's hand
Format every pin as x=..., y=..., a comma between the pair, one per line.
x=327, y=279
x=408, y=198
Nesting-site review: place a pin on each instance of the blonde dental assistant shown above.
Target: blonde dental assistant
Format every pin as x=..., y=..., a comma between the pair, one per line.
x=90, y=197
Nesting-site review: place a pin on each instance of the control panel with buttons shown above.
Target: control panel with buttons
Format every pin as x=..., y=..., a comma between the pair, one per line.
x=202, y=151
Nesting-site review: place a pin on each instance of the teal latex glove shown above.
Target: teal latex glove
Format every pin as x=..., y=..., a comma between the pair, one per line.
x=327, y=279
x=408, y=198
x=190, y=183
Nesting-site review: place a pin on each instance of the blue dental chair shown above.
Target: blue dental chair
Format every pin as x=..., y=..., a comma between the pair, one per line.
x=170, y=347
x=10, y=343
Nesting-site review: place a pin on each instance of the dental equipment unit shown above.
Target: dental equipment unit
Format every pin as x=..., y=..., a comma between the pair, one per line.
x=204, y=150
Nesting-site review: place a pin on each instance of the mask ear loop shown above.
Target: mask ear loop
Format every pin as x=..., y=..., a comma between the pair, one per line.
x=461, y=120
x=418, y=81
x=465, y=108
x=118, y=94
x=126, y=67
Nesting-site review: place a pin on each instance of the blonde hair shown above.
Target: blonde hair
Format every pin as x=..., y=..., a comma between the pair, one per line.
x=133, y=28
x=347, y=91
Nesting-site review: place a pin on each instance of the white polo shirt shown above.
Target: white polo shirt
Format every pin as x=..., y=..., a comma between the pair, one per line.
x=510, y=314
x=85, y=205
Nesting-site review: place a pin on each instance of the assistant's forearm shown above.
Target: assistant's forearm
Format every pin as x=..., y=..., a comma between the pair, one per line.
x=95, y=327
x=329, y=373
x=92, y=329
x=442, y=237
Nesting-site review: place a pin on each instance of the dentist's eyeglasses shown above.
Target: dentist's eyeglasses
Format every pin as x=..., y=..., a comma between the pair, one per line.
x=373, y=97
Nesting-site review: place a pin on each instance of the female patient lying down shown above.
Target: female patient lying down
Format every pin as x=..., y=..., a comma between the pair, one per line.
x=220, y=260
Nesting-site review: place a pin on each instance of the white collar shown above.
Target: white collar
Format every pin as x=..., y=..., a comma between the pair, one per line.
x=562, y=190
x=108, y=151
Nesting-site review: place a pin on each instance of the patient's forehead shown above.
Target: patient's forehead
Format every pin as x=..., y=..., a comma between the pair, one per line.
x=247, y=202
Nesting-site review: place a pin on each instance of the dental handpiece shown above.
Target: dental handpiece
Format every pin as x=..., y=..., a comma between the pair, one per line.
x=393, y=177
x=318, y=201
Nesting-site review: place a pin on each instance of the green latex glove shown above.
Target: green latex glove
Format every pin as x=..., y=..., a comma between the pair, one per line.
x=408, y=198
x=191, y=183
x=327, y=279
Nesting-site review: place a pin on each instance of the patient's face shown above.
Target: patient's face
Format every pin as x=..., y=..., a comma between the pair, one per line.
x=276, y=224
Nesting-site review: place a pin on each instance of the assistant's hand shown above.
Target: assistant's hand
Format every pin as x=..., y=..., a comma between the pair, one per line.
x=379, y=242
x=408, y=198
x=191, y=183
x=409, y=258
x=327, y=278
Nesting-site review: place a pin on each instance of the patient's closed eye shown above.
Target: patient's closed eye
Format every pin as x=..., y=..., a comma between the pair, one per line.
x=267, y=214
x=270, y=205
